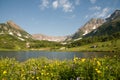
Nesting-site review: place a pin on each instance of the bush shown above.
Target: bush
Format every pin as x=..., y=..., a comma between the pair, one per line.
x=106, y=68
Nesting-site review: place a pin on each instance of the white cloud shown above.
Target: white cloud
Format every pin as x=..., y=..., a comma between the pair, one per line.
x=55, y=4
x=77, y=2
x=92, y=1
x=101, y=14
x=86, y=16
x=44, y=4
x=104, y=12
x=72, y=16
x=65, y=5
x=95, y=8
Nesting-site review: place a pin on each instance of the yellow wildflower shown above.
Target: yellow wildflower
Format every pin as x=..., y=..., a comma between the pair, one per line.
x=75, y=59
x=41, y=73
x=37, y=77
x=98, y=71
x=83, y=60
x=106, y=67
x=51, y=74
x=22, y=70
x=47, y=73
x=45, y=66
x=4, y=72
x=22, y=75
x=95, y=59
x=33, y=77
x=98, y=63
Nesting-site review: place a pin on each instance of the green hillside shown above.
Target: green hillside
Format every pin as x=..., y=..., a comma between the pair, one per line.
x=8, y=42
x=11, y=42
x=104, y=38
x=113, y=45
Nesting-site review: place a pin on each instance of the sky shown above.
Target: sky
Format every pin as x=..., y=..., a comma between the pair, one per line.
x=55, y=17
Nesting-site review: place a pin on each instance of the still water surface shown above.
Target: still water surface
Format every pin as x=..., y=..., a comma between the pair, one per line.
x=24, y=55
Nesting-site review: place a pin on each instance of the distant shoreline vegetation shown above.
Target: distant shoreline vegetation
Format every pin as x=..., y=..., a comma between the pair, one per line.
x=100, y=47
x=95, y=44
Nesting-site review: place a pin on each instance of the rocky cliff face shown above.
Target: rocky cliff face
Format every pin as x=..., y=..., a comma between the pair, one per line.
x=13, y=25
x=87, y=28
x=13, y=29
x=48, y=38
x=114, y=16
x=91, y=25
x=112, y=25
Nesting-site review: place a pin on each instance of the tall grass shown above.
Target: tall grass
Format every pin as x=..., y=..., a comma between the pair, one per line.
x=107, y=68
x=101, y=46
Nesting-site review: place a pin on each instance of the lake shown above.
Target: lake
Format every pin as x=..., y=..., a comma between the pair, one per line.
x=24, y=55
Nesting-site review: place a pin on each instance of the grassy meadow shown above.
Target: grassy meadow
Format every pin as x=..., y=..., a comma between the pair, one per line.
x=107, y=68
x=101, y=46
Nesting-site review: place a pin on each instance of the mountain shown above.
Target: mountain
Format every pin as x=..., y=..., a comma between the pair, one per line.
x=91, y=25
x=111, y=26
x=49, y=38
x=13, y=36
x=115, y=15
x=13, y=29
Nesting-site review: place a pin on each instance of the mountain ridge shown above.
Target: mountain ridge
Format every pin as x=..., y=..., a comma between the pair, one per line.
x=112, y=25
x=114, y=15
x=12, y=24
x=49, y=38
x=13, y=29
x=90, y=26
x=13, y=36
x=87, y=28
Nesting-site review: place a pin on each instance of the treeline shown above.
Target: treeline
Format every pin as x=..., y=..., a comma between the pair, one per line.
x=12, y=42
x=94, y=39
x=44, y=44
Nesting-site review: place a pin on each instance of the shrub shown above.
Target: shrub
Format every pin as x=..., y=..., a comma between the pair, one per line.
x=106, y=68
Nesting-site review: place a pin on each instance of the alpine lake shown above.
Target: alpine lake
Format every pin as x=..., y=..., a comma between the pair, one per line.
x=25, y=55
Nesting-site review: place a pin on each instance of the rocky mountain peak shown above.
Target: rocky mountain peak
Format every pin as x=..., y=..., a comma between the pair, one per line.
x=111, y=26
x=10, y=28
x=114, y=15
x=13, y=25
x=92, y=24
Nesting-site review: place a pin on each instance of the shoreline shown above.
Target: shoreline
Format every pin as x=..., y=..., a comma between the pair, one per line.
x=57, y=50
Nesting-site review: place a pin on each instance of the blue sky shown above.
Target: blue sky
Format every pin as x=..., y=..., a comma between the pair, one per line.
x=55, y=17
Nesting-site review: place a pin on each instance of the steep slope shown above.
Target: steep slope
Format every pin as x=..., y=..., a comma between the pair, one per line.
x=115, y=15
x=111, y=26
x=13, y=37
x=13, y=29
x=91, y=25
x=49, y=38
